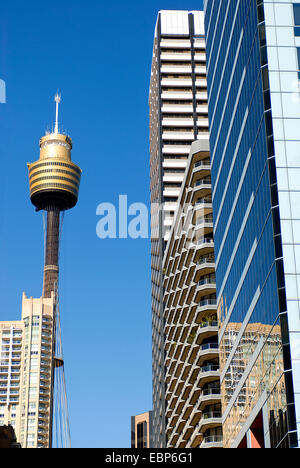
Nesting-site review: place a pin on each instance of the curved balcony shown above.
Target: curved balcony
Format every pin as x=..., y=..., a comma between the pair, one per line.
x=208, y=219
x=205, y=305
x=210, y=420
x=206, y=260
x=215, y=441
x=203, y=205
x=203, y=246
x=203, y=181
x=201, y=189
x=204, y=224
x=203, y=162
x=207, y=329
x=209, y=396
x=201, y=168
x=205, y=286
x=208, y=373
x=203, y=269
x=207, y=350
x=203, y=201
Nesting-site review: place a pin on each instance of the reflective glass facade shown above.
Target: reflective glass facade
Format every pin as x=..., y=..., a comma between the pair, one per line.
x=249, y=155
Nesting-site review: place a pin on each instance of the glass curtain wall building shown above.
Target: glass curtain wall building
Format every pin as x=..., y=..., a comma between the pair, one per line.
x=254, y=115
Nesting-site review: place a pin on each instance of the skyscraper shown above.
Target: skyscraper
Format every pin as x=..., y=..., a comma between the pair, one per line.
x=254, y=114
x=178, y=116
x=27, y=373
x=31, y=366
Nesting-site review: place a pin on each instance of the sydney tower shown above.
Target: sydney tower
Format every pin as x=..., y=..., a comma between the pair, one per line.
x=54, y=184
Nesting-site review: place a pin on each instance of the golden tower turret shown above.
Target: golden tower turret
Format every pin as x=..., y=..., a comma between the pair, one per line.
x=54, y=184
x=54, y=179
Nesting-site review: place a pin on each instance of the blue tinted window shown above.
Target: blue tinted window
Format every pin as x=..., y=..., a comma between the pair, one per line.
x=297, y=13
x=298, y=54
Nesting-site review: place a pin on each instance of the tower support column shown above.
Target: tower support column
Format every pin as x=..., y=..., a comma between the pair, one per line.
x=51, y=268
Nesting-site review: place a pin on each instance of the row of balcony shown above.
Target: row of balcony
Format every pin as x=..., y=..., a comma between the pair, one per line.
x=204, y=244
x=192, y=363
x=199, y=418
x=192, y=422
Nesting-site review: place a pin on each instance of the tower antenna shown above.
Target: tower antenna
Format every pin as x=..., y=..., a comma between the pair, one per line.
x=57, y=99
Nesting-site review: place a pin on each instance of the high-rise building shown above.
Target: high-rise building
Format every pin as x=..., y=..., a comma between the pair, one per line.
x=252, y=49
x=31, y=365
x=192, y=376
x=178, y=116
x=27, y=373
x=141, y=430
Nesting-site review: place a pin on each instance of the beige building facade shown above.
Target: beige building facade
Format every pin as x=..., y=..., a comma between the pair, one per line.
x=27, y=372
x=141, y=430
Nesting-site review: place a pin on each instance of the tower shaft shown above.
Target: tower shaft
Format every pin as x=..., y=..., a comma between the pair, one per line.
x=52, y=252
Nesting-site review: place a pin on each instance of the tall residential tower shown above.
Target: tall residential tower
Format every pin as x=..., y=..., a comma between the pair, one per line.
x=178, y=116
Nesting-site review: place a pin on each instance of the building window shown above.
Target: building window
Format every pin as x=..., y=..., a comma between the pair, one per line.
x=142, y=435
x=298, y=55
x=296, y=7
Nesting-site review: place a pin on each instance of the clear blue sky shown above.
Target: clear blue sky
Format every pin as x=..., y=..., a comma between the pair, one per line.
x=99, y=56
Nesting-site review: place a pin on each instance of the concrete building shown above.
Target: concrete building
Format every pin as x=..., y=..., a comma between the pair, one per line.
x=141, y=431
x=254, y=113
x=192, y=377
x=178, y=116
x=26, y=373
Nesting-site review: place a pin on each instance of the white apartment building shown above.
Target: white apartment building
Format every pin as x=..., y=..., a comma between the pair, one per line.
x=178, y=116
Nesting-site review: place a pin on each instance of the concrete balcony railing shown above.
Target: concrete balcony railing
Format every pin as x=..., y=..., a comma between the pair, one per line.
x=204, y=220
x=209, y=420
x=207, y=329
x=215, y=441
x=208, y=373
x=207, y=303
x=206, y=260
x=207, y=287
x=211, y=280
x=205, y=181
x=204, y=241
x=209, y=396
x=209, y=346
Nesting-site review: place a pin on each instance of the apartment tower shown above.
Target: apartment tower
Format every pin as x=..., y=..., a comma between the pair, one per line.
x=192, y=376
x=27, y=373
x=178, y=116
x=252, y=49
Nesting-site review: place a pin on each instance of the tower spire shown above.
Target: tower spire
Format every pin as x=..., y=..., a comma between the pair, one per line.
x=57, y=99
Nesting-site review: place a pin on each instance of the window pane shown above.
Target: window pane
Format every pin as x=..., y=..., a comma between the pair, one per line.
x=298, y=54
x=297, y=13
